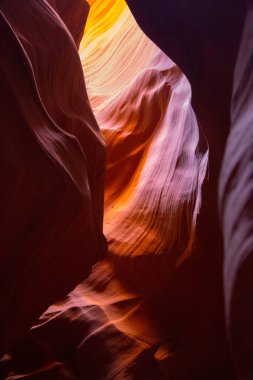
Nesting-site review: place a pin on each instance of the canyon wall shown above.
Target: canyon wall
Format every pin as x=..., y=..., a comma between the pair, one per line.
x=53, y=161
x=154, y=307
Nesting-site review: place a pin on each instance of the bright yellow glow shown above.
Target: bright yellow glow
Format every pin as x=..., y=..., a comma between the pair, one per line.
x=141, y=101
x=103, y=15
x=142, y=104
x=113, y=51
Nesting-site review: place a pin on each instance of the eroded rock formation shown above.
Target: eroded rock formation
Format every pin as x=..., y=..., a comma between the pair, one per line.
x=236, y=205
x=154, y=308
x=52, y=156
x=204, y=39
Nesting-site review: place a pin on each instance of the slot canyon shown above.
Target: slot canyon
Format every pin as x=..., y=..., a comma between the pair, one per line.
x=126, y=190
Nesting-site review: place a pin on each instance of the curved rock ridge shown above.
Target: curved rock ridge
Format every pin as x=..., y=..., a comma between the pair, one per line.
x=153, y=190
x=153, y=309
x=236, y=207
x=74, y=14
x=139, y=286
x=203, y=39
x=52, y=156
x=154, y=168
x=155, y=171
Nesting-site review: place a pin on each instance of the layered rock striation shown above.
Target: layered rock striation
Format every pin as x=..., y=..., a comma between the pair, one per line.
x=154, y=308
x=53, y=161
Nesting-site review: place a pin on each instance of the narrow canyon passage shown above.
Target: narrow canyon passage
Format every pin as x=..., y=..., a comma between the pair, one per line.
x=118, y=144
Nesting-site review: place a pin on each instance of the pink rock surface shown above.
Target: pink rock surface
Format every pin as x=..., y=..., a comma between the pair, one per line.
x=154, y=308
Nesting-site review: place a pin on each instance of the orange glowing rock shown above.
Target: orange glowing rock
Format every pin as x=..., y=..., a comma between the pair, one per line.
x=154, y=307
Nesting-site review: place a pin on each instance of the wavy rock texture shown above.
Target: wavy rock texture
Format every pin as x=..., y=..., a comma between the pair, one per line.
x=236, y=196
x=155, y=170
x=153, y=309
x=204, y=40
x=136, y=99
x=52, y=157
x=152, y=197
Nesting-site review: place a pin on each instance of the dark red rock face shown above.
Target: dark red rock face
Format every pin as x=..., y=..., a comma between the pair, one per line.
x=74, y=15
x=134, y=317
x=52, y=167
x=204, y=38
x=236, y=204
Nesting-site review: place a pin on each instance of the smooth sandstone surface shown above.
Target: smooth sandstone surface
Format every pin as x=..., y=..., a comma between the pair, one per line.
x=154, y=308
x=52, y=167
x=216, y=55
x=236, y=207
